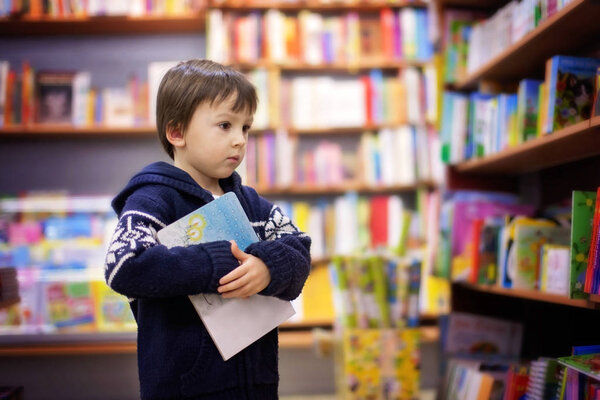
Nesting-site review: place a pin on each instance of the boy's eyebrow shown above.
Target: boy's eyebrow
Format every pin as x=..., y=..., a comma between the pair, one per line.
x=230, y=115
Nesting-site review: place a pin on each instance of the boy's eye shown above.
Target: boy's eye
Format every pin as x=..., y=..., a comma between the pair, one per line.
x=246, y=128
x=225, y=125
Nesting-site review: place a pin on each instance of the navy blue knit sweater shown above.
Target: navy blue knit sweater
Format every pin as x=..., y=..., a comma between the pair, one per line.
x=176, y=357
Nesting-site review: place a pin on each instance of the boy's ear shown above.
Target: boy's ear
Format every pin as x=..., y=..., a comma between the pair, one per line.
x=175, y=135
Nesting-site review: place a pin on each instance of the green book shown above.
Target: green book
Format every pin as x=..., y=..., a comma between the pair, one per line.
x=582, y=215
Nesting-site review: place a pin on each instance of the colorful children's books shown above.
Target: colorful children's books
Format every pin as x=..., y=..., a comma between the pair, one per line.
x=232, y=323
x=582, y=215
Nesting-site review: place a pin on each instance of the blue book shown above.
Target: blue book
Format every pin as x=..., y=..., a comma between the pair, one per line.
x=235, y=323
x=528, y=109
x=570, y=90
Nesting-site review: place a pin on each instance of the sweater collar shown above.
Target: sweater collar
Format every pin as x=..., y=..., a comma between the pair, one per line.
x=163, y=173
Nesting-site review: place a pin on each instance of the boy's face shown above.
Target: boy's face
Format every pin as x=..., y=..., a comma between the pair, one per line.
x=214, y=143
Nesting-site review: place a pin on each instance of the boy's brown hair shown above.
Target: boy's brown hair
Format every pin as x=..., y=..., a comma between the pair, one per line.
x=193, y=82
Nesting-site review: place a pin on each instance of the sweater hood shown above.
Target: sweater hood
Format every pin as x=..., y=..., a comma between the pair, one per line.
x=162, y=173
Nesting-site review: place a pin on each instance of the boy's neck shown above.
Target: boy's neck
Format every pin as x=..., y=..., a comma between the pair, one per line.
x=212, y=185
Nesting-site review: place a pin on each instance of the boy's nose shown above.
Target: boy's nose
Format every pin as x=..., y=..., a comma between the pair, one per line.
x=239, y=139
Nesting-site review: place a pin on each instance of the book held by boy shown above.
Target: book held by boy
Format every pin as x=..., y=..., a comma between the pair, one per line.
x=233, y=323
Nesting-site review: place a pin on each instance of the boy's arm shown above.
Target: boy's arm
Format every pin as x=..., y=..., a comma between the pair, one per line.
x=286, y=253
x=137, y=266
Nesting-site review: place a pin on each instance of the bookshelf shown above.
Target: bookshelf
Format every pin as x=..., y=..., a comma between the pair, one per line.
x=542, y=171
x=109, y=26
x=566, y=32
x=570, y=144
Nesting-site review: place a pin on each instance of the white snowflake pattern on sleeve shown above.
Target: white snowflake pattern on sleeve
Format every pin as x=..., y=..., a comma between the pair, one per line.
x=278, y=225
x=135, y=231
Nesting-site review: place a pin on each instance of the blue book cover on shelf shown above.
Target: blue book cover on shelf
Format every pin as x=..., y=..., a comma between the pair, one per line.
x=235, y=323
x=570, y=90
x=528, y=109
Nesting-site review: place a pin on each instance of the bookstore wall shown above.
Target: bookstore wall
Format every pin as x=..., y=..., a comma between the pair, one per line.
x=441, y=154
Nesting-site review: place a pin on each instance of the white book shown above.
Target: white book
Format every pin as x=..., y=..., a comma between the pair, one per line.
x=81, y=91
x=156, y=71
x=235, y=323
x=118, y=107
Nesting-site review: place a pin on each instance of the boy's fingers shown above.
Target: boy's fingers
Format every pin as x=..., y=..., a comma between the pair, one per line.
x=233, y=275
x=234, y=285
x=242, y=292
x=237, y=252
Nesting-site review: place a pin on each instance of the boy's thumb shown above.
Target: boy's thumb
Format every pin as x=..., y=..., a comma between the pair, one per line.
x=237, y=252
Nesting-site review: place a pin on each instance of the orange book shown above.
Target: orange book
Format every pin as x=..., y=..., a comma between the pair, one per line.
x=10, y=90
x=387, y=33
x=475, y=238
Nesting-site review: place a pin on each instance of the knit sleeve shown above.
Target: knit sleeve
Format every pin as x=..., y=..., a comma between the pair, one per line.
x=286, y=252
x=138, y=266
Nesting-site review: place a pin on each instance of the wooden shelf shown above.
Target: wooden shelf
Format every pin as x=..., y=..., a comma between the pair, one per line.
x=102, y=25
x=71, y=130
x=8, y=303
x=577, y=23
x=350, y=187
x=534, y=295
x=315, y=6
x=351, y=67
x=573, y=143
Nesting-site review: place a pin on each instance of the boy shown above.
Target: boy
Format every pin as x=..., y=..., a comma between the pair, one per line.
x=204, y=112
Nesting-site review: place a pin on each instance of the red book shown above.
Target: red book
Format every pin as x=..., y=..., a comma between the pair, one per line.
x=592, y=255
x=475, y=239
x=378, y=224
x=368, y=86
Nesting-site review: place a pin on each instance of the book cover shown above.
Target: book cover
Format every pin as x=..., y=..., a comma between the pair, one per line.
x=235, y=323
x=586, y=364
x=570, y=91
x=554, y=276
x=527, y=109
x=582, y=215
x=470, y=334
x=529, y=238
x=54, y=97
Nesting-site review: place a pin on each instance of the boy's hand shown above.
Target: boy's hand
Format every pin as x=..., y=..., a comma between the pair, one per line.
x=249, y=278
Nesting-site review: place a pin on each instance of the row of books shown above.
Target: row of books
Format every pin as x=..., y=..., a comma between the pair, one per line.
x=66, y=301
x=472, y=40
x=572, y=377
x=68, y=98
x=495, y=241
x=376, y=291
x=403, y=156
x=316, y=38
x=480, y=124
x=90, y=8
x=310, y=101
